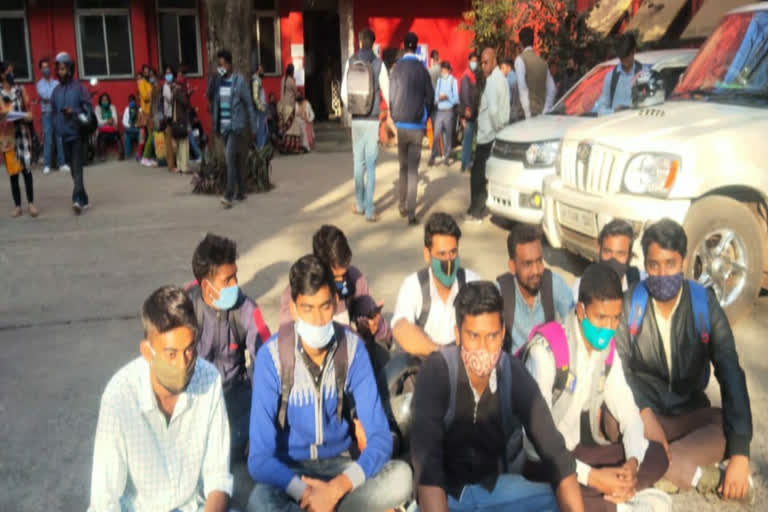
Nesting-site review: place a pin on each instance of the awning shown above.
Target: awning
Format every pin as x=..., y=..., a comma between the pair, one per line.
x=654, y=17
x=709, y=15
x=603, y=17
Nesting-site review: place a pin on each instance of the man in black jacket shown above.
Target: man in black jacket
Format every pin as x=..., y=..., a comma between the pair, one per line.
x=410, y=101
x=666, y=353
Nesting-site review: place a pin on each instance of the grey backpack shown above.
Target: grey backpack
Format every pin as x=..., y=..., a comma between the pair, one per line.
x=361, y=88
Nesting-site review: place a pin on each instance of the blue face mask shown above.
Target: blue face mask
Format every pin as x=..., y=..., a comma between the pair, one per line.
x=168, y=77
x=132, y=104
x=598, y=337
x=445, y=271
x=342, y=288
x=227, y=297
x=314, y=336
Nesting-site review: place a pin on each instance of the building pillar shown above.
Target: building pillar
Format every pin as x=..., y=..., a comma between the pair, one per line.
x=347, y=34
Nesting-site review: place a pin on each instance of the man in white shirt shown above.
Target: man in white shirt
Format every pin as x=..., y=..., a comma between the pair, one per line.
x=423, y=322
x=162, y=439
x=535, y=82
x=582, y=380
x=492, y=117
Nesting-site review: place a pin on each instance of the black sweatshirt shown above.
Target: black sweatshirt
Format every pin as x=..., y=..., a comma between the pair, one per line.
x=411, y=95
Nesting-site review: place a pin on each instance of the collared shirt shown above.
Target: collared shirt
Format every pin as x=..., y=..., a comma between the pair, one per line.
x=494, y=107
x=449, y=87
x=143, y=462
x=527, y=317
x=442, y=315
x=523, y=87
x=618, y=397
x=622, y=97
x=45, y=91
x=665, y=328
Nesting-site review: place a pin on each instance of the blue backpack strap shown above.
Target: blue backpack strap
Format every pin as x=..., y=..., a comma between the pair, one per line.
x=700, y=307
x=637, y=308
x=451, y=356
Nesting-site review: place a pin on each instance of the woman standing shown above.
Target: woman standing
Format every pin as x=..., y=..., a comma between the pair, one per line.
x=168, y=95
x=144, y=88
x=153, y=123
x=180, y=125
x=289, y=125
x=15, y=141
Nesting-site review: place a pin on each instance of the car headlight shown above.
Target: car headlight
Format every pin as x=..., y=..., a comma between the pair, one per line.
x=650, y=173
x=542, y=154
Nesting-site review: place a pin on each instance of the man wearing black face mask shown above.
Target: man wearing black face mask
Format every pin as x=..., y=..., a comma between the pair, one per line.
x=615, y=243
x=671, y=330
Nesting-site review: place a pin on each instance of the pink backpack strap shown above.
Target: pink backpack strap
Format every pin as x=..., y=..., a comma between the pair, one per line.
x=611, y=353
x=554, y=333
x=261, y=326
x=190, y=285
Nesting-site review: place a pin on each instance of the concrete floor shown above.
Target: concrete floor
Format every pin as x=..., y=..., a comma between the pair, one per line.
x=73, y=288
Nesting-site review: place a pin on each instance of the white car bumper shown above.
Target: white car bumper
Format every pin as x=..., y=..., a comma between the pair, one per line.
x=573, y=219
x=515, y=191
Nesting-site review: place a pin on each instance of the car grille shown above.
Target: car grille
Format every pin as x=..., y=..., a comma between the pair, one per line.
x=510, y=150
x=590, y=168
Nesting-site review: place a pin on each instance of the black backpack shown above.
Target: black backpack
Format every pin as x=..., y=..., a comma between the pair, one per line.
x=361, y=86
x=615, y=79
x=509, y=290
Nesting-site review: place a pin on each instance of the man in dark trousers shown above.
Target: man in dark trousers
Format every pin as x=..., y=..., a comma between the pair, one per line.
x=468, y=109
x=411, y=100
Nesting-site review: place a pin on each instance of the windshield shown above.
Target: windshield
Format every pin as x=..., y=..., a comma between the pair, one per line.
x=732, y=64
x=581, y=99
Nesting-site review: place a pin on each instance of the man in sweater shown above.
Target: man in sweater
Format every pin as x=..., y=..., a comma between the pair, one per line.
x=411, y=99
x=446, y=99
x=535, y=82
x=468, y=109
x=301, y=435
x=365, y=126
x=492, y=117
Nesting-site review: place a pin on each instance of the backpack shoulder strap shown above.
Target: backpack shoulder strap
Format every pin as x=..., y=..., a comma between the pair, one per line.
x=700, y=307
x=614, y=83
x=633, y=276
x=461, y=276
x=261, y=325
x=637, y=308
x=451, y=355
x=195, y=294
x=286, y=349
x=507, y=285
x=426, y=297
x=611, y=355
x=547, y=296
x=638, y=67
x=557, y=341
x=505, y=384
x=340, y=363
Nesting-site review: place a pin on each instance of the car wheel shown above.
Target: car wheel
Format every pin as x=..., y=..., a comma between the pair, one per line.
x=725, y=252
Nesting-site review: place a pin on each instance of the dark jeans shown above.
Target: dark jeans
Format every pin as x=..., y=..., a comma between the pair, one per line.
x=409, y=154
x=73, y=153
x=234, y=174
x=16, y=190
x=104, y=139
x=238, y=401
x=131, y=137
x=477, y=181
x=390, y=488
x=442, y=126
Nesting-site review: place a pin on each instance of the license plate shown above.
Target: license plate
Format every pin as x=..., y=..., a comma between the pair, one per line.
x=577, y=219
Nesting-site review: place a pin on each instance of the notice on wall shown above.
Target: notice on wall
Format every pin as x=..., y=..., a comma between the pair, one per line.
x=297, y=51
x=298, y=71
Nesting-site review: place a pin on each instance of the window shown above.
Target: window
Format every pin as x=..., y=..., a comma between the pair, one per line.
x=267, y=36
x=14, y=38
x=178, y=32
x=104, y=43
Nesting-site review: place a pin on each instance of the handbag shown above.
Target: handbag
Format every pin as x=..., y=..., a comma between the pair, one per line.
x=179, y=129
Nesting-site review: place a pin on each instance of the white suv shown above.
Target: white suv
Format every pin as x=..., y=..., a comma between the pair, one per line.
x=700, y=158
x=524, y=152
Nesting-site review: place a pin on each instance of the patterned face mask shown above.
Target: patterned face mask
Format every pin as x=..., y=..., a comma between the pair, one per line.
x=664, y=288
x=480, y=362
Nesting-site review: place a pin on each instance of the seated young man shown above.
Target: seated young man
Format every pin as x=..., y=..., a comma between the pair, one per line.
x=615, y=246
x=424, y=317
x=593, y=393
x=301, y=433
x=330, y=245
x=229, y=323
x=673, y=330
x=470, y=400
x=166, y=394
x=532, y=293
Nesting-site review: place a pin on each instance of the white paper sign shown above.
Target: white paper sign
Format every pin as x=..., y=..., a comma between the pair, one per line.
x=298, y=71
x=297, y=51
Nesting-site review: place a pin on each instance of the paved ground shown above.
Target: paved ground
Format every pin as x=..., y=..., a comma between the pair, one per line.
x=73, y=288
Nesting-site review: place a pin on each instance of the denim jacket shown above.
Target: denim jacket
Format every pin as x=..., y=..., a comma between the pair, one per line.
x=242, y=103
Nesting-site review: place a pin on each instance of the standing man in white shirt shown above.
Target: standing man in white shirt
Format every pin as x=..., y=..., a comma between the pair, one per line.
x=492, y=117
x=582, y=381
x=535, y=82
x=364, y=83
x=162, y=439
x=424, y=317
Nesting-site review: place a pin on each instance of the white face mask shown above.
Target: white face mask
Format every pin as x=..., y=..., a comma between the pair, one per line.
x=473, y=66
x=222, y=71
x=314, y=336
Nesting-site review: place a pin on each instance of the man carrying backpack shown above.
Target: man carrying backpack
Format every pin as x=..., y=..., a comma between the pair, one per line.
x=229, y=323
x=674, y=329
x=617, y=86
x=470, y=401
x=615, y=249
x=582, y=381
x=532, y=293
x=307, y=381
x=365, y=83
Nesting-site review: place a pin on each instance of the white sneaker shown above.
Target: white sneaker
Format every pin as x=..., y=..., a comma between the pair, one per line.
x=46, y=170
x=649, y=500
x=64, y=168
